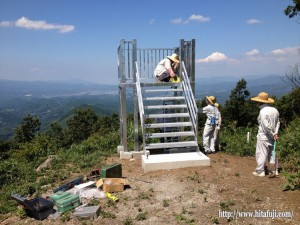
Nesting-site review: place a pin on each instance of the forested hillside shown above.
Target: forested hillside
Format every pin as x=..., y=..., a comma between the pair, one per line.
x=57, y=101
x=87, y=138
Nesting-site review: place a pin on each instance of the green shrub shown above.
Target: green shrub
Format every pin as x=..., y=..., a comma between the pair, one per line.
x=289, y=154
x=234, y=141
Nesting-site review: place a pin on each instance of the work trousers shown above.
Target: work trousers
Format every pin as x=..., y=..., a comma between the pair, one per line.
x=208, y=138
x=217, y=138
x=263, y=154
x=164, y=77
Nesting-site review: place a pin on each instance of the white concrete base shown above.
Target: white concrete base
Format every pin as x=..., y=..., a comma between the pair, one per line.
x=120, y=148
x=174, y=161
x=125, y=155
x=131, y=154
x=137, y=155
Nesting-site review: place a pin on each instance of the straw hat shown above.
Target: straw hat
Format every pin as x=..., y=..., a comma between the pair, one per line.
x=263, y=97
x=174, y=57
x=211, y=99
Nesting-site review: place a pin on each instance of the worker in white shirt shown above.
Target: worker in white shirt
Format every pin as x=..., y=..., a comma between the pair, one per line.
x=167, y=68
x=210, y=125
x=218, y=127
x=268, y=126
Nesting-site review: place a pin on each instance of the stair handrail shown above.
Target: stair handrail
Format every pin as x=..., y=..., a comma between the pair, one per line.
x=190, y=99
x=141, y=105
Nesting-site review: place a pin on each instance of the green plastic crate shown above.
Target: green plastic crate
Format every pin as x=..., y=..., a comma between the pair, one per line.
x=69, y=202
x=59, y=195
x=112, y=171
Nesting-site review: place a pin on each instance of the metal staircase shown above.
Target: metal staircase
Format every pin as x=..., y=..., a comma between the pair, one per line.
x=168, y=115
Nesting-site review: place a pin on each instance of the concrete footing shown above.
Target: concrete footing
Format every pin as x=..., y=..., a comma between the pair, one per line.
x=174, y=161
x=131, y=154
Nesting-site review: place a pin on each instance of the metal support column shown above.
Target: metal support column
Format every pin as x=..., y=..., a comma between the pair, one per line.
x=122, y=96
x=135, y=100
x=192, y=70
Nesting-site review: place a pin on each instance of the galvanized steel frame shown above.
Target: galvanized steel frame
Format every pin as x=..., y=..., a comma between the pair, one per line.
x=146, y=60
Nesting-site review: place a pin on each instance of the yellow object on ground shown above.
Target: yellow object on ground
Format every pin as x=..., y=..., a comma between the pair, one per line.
x=111, y=197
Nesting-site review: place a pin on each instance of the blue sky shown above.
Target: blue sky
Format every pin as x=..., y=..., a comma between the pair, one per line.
x=78, y=39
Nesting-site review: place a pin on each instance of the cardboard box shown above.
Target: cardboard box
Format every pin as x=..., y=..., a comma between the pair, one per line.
x=111, y=184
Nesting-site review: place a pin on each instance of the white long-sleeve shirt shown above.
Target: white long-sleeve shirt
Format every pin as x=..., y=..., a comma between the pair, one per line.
x=163, y=65
x=210, y=111
x=268, y=122
x=218, y=116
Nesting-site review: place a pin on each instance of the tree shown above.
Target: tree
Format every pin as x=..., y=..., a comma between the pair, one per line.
x=289, y=106
x=293, y=75
x=238, y=109
x=107, y=124
x=82, y=125
x=26, y=131
x=293, y=10
x=56, y=134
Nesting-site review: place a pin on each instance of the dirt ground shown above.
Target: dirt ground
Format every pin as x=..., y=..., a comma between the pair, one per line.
x=198, y=195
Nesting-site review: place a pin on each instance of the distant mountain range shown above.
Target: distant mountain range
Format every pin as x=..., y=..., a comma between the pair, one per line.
x=221, y=87
x=57, y=100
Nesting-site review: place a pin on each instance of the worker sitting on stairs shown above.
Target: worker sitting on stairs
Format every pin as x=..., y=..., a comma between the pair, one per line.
x=167, y=68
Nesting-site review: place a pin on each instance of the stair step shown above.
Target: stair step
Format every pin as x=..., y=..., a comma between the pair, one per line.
x=161, y=84
x=164, y=98
x=163, y=90
x=166, y=115
x=171, y=145
x=170, y=134
x=165, y=106
x=160, y=125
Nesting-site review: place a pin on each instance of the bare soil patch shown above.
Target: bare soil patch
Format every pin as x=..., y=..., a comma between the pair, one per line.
x=195, y=195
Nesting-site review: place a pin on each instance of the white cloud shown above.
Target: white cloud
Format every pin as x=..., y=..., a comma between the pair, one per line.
x=253, y=21
x=24, y=22
x=6, y=24
x=252, y=52
x=198, y=18
x=214, y=57
x=178, y=21
x=286, y=51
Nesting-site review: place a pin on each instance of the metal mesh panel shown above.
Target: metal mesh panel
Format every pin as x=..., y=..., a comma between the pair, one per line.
x=149, y=58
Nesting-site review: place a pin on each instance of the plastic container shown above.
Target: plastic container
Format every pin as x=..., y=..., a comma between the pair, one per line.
x=112, y=171
x=90, y=212
x=40, y=208
x=59, y=195
x=69, y=202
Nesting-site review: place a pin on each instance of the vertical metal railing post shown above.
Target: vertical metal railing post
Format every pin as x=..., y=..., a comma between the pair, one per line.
x=193, y=61
x=122, y=96
x=135, y=100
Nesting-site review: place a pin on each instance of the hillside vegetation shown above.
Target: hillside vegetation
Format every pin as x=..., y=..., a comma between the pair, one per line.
x=87, y=139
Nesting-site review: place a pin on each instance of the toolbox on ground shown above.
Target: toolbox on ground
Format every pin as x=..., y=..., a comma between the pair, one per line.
x=90, y=212
x=112, y=171
x=111, y=184
x=69, y=202
x=69, y=185
x=59, y=195
x=39, y=208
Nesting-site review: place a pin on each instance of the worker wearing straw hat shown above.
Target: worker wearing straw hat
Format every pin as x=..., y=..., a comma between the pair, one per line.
x=268, y=126
x=217, y=129
x=167, y=68
x=210, y=124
